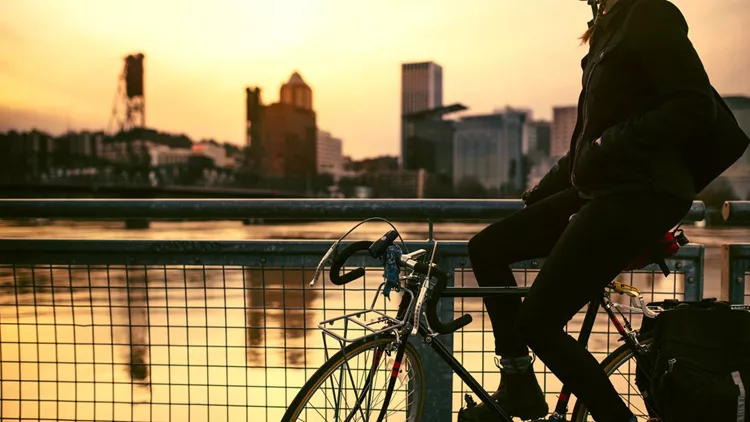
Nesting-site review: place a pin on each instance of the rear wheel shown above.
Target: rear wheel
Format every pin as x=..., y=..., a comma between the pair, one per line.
x=352, y=385
x=620, y=366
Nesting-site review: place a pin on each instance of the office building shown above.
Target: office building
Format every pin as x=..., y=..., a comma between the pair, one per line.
x=26, y=157
x=539, y=168
x=288, y=141
x=329, y=155
x=537, y=134
x=429, y=141
x=396, y=184
x=165, y=156
x=253, y=115
x=217, y=153
x=383, y=163
x=488, y=149
x=282, y=136
x=421, y=90
x=740, y=107
x=738, y=175
x=297, y=93
x=563, y=125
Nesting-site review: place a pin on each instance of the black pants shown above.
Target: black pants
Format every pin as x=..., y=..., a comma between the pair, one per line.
x=583, y=256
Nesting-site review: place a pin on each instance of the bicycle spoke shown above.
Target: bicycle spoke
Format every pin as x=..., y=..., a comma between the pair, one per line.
x=373, y=371
x=359, y=401
x=332, y=405
x=401, y=383
x=635, y=388
x=352, y=388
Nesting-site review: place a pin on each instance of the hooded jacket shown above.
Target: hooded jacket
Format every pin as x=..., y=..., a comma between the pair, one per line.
x=646, y=96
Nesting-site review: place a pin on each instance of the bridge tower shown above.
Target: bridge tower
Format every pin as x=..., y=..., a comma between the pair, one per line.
x=130, y=96
x=128, y=150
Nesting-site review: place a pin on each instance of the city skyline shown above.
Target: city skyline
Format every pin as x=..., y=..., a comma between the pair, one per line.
x=200, y=56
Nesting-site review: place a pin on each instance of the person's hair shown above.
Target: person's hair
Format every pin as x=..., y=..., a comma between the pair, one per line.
x=586, y=37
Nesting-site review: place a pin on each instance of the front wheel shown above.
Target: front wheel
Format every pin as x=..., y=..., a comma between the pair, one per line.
x=352, y=384
x=620, y=366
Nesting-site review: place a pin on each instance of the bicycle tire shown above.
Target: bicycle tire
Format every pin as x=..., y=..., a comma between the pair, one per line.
x=355, y=348
x=610, y=364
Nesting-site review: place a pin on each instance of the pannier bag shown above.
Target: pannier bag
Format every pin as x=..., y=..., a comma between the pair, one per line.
x=701, y=363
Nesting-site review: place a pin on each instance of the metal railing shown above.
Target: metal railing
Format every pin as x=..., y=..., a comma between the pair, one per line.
x=340, y=209
x=198, y=330
x=736, y=258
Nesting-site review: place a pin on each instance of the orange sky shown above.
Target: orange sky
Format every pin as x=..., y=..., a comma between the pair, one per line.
x=59, y=60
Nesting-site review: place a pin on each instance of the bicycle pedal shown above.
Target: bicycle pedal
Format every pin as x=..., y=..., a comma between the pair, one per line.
x=469, y=401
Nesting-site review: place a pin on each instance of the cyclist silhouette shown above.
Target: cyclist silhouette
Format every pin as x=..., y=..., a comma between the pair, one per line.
x=647, y=119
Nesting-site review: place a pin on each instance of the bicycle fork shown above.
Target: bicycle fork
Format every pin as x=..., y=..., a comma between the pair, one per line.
x=404, y=338
x=394, y=375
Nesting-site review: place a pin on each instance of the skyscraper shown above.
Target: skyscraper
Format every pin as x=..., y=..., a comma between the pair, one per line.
x=488, y=149
x=421, y=89
x=563, y=125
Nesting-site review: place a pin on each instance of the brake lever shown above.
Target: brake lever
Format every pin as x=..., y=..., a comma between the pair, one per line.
x=423, y=293
x=648, y=313
x=327, y=255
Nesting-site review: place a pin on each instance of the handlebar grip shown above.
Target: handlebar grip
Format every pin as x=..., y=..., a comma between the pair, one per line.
x=432, y=317
x=341, y=258
x=379, y=246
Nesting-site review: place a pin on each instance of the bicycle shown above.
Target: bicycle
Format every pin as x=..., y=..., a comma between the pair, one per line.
x=388, y=336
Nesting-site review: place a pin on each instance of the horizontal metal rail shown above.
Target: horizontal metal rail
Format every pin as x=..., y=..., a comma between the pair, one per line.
x=736, y=212
x=340, y=209
x=247, y=253
x=265, y=253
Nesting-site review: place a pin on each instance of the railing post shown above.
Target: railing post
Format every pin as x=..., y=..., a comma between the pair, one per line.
x=438, y=404
x=694, y=276
x=733, y=269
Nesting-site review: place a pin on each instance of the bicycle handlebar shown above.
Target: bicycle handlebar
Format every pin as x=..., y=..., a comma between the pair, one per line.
x=341, y=258
x=404, y=261
x=431, y=312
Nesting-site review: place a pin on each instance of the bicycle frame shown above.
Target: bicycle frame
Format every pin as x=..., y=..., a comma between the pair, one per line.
x=561, y=408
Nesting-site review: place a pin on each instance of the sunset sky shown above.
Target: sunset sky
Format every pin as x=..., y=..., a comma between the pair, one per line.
x=60, y=60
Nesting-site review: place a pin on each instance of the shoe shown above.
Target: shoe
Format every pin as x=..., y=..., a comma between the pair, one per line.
x=519, y=393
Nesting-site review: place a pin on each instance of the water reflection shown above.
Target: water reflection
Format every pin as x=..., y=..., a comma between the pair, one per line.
x=137, y=321
x=280, y=310
x=20, y=285
x=154, y=337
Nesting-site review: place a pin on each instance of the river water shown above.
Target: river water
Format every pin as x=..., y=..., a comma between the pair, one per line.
x=212, y=343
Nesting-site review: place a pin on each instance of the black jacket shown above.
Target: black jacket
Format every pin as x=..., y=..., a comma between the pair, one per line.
x=647, y=95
